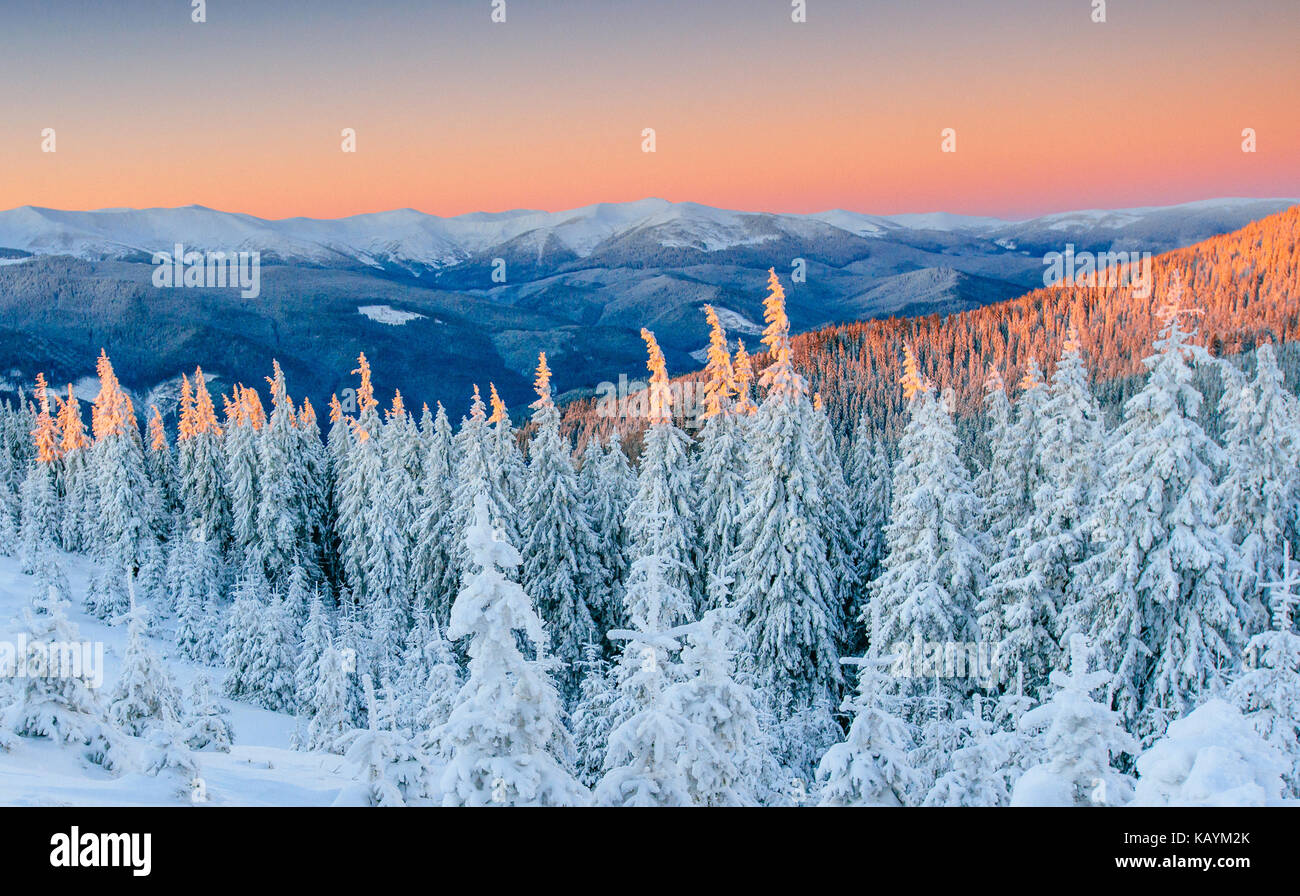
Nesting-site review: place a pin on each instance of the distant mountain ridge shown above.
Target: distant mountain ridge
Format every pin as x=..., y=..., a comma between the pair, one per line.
x=416, y=292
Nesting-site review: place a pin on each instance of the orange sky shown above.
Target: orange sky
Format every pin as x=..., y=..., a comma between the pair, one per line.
x=455, y=114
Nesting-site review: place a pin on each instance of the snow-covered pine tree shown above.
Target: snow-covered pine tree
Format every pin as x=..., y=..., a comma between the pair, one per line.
x=609, y=484
x=475, y=474
x=442, y=685
x=78, y=489
x=869, y=485
x=390, y=768
x=978, y=769
x=1078, y=739
x=206, y=728
x=286, y=483
x=259, y=646
x=732, y=762
x=507, y=460
x=433, y=562
x=57, y=702
x=126, y=545
x=872, y=765
x=244, y=422
x=145, y=694
x=328, y=703
x=505, y=742
x=1259, y=497
x=39, y=526
x=593, y=714
x=934, y=566
x=1161, y=606
x=660, y=519
x=1034, y=548
x=317, y=637
x=160, y=466
x=196, y=584
x=785, y=588
x=200, y=467
x=1268, y=690
x=560, y=570
x=719, y=469
x=645, y=760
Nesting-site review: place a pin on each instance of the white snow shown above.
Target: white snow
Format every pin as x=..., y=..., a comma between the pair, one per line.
x=261, y=769
x=387, y=314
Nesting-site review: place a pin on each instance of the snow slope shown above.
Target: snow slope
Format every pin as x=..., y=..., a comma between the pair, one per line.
x=261, y=769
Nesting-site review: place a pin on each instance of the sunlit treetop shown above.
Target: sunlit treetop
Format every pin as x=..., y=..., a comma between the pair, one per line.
x=744, y=377
x=157, y=435
x=660, y=396
x=366, y=391
x=71, y=427
x=719, y=375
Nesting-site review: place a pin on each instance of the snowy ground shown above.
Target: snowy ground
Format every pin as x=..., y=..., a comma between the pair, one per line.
x=261, y=770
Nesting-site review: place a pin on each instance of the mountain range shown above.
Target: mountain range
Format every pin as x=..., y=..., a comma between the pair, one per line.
x=416, y=292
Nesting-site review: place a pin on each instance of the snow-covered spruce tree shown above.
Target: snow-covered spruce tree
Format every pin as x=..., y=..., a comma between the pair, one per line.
x=1015, y=473
x=1077, y=738
x=145, y=694
x=475, y=473
x=375, y=549
x=328, y=703
x=167, y=756
x=1032, y=557
x=993, y=482
x=872, y=766
x=660, y=519
x=433, y=563
x=196, y=583
x=504, y=742
x=200, y=466
x=1161, y=609
x=869, y=485
x=390, y=768
x=560, y=570
x=727, y=757
x=841, y=547
x=244, y=422
x=719, y=469
x=259, y=646
x=608, y=485
x=981, y=770
x=593, y=714
x=1211, y=757
x=317, y=637
x=48, y=699
x=1259, y=497
x=645, y=761
x=39, y=524
x=205, y=726
x=507, y=459
x=934, y=566
x=1035, y=581
x=126, y=545
x=78, y=488
x=1268, y=691
x=286, y=484
x=442, y=685
x=160, y=466
x=785, y=588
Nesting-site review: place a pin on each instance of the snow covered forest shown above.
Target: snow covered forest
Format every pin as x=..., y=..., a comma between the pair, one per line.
x=761, y=612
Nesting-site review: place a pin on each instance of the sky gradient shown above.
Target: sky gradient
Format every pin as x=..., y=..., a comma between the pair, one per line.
x=456, y=114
